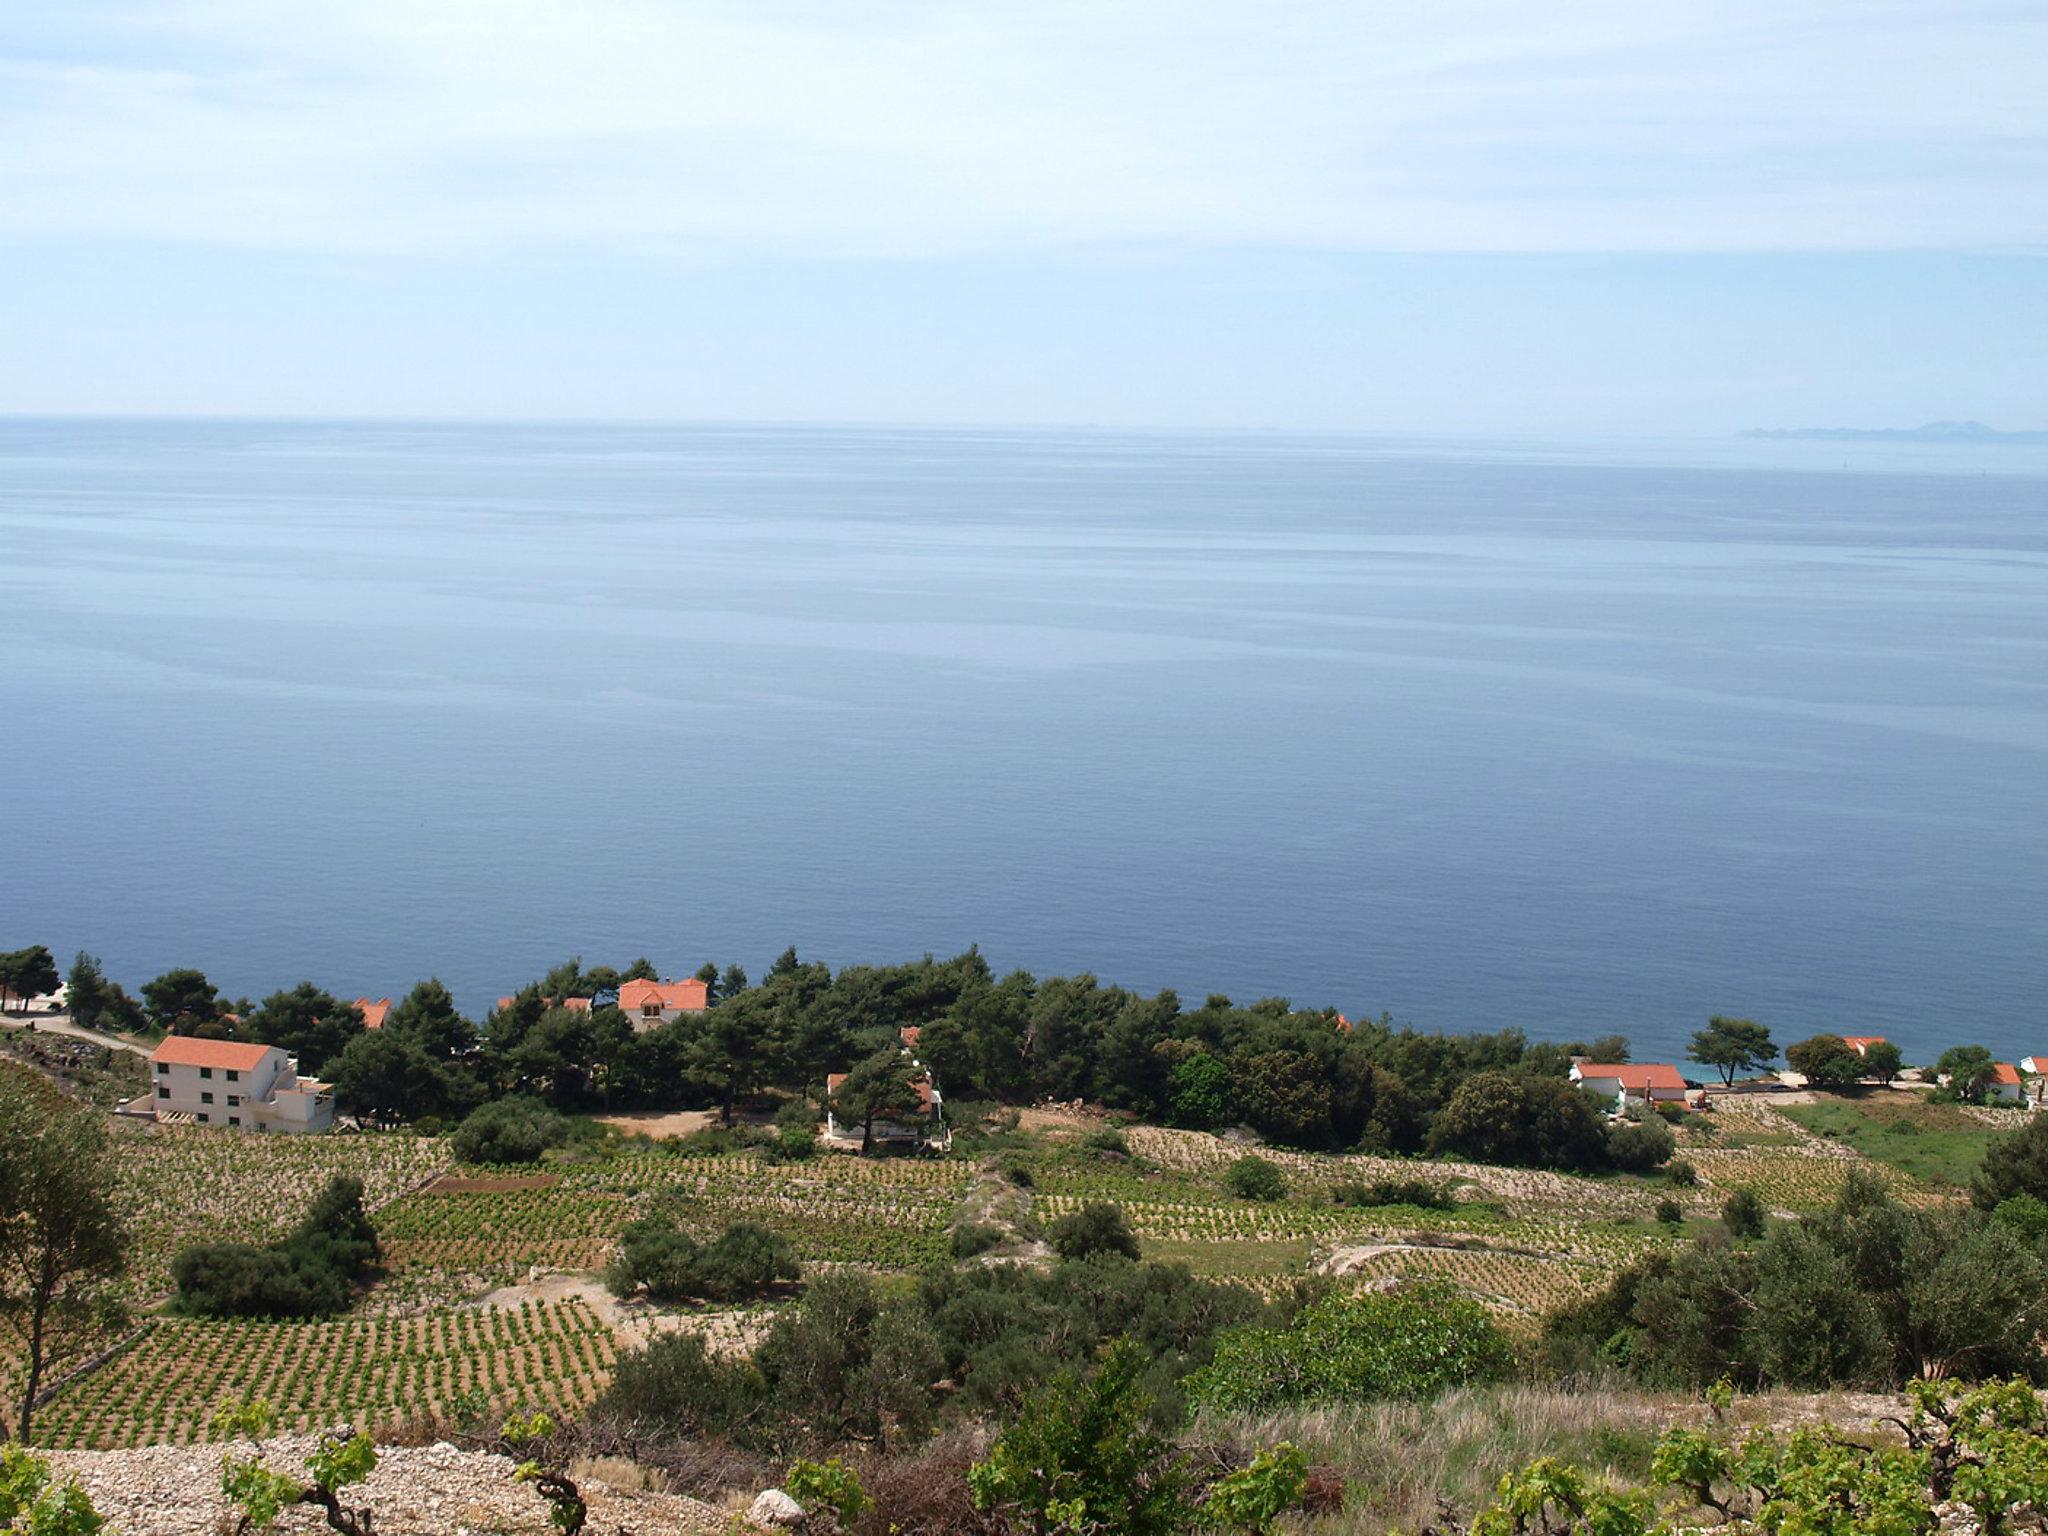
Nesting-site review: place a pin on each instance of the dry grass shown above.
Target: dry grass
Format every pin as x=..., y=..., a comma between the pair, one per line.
x=1400, y=1459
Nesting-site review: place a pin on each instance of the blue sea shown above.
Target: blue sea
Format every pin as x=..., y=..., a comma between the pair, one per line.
x=1570, y=736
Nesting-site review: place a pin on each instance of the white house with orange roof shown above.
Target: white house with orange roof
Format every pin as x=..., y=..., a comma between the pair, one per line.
x=1861, y=1044
x=239, y=1084
x=1646, y=1082
x=2005, y=1086
x=651, y=1004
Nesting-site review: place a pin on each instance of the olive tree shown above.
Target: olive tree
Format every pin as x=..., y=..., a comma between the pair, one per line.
x=62, y=1237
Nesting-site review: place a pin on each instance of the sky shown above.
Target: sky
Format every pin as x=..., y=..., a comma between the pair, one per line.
x=1627, y=216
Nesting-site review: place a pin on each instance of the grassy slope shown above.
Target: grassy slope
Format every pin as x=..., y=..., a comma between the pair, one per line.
x=1935, y=1142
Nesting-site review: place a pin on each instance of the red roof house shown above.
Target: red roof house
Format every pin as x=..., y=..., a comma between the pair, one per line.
x=374, y=1013
x=648, y=1003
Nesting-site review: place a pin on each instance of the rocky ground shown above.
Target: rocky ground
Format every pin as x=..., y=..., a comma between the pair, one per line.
x=433, y=1490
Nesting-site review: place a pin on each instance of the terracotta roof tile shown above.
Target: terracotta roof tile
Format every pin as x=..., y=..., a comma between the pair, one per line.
x=229, y=1055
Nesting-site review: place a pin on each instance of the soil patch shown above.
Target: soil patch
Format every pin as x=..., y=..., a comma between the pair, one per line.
x=454, y=1184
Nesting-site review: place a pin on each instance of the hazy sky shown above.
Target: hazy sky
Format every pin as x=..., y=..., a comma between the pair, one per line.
x=1455, y=215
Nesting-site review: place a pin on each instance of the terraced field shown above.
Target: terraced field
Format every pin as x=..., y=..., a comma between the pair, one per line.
x=365, y=1370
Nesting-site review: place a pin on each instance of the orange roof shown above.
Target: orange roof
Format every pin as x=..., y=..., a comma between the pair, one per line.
x=909, y=1034
x=374, y=1013
x=229, y=1055
x=692, y=996
x=573, y=1004
x=923, y=1085
x=2005, y=1072
x=1639, y=1076
x=1862, y=1043
x=1343, y=1025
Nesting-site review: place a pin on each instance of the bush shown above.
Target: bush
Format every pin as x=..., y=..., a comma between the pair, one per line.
x=1016, y=1167
x=973, y=1237
x=1636, y=1146
x=427, y=1125
x=1350, y=1348
x=514, y=1130
x=2024, y=1215
x=675, y=1383
x=2014, y=1164
x=1420, y=1193
x=1681, y=1173
x=744, y=1261
x=1080, y=1448
x=1107, y=1143
x=1743, y=1214
x=308, y=1274
x=1670, y=1212
x=1253, y=1178
x=1097, y=1229
x=828, y=1484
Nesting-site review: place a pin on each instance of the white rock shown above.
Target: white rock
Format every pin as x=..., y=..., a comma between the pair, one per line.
x=774, y=1507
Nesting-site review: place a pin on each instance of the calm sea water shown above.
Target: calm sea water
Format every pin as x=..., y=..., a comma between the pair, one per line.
x=1574, y=737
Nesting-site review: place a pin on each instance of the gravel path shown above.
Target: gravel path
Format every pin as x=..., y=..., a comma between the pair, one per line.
x=434, y=1490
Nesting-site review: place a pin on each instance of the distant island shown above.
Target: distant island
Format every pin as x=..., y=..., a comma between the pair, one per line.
x=1931, y=432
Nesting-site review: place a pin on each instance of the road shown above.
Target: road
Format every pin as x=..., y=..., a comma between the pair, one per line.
x=59, y=1024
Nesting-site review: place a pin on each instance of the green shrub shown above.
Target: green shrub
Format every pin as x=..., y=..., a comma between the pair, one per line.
x=1098, y=1229
x=1636, y=1146
x=308, y=1274
x=1253, y=1178
x=1681, y=1173
x=828, y=1484
x=2024, y=1215
x=515, y=1130
x=1107, y=1143
x=1743, y=1214
x=1670, y=1212
x=427, y=1125
x=1352, y=1348
x=973, y=1237
x=30, y=1502
x=742, y=1262
x=1423, y=1194
x=1080, y=1457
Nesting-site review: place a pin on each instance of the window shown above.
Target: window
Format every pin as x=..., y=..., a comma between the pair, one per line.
x=234, y=1076
x=201, y=1117
x=162, y=1092
x=234, y=1119
x=163, y=1069
x=206, y=1098
x=206, y=1071
x=234, y=1099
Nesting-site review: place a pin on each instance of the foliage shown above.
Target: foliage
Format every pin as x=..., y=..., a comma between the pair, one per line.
x=1682, y=1173
x=1254, y=1497
x=510, y=1130
x=34, y=1504
x=1253, y=1178
x=63, y=1237
x=26, y=973
x=2014, y=1164
x=307, y=1274
x=1423, y=1194
x=1732, y=1046
x=336, y=1462
x=1097, y=1229
x=1638, y=1145
x=1867, y=1293
x=1826, y=1061
x=1080, y=1458
x=1967, y=1070
x=1742, y=1213
x=2025, y=1216
x=182, y=1002
x=1350, y=1348
x=95, y=1002
x=1537, y=1122
x=829, y=1484
x=974, y=1237
x=744, y=1261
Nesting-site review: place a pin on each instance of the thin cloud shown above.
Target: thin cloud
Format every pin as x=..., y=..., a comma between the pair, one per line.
x=452, y=127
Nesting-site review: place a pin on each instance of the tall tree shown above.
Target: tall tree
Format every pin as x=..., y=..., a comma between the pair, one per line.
x=426, y=1017
x=878, y=1087
x=1825, y=1061
x=94, y=1002
x=62, y=1235
x=307, y=1023
x=27, y=973
x=1969, y=1070
x=1733, y=1045
x=181, y=1002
